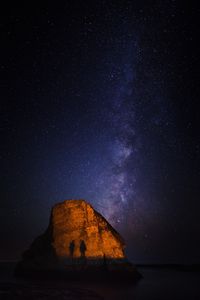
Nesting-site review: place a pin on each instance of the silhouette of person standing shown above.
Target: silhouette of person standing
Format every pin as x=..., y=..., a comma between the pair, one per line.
x=71, y=248
x=82, y=248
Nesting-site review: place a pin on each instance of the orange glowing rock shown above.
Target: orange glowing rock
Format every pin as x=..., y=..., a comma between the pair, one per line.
x=78, y=239
x=75, y=222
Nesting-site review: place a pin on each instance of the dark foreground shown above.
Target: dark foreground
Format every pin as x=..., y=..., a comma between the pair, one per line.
x=157, y=284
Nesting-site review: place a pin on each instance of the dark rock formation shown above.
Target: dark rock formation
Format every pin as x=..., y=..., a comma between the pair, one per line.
x=77, y=242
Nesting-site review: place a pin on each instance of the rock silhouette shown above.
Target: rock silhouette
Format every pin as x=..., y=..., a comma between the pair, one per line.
x=75, y=231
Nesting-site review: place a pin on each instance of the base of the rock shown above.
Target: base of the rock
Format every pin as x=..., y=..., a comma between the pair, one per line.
x=125, y=272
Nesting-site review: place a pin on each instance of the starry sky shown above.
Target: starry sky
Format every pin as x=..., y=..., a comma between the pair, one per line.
x=99, y=101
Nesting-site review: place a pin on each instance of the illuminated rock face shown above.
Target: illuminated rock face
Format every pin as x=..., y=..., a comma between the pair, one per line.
x=78, y=230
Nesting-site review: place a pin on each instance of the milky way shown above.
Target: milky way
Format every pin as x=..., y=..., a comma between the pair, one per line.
x=116, y=183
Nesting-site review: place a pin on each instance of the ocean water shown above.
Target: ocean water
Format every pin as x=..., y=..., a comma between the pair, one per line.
x=157, y=284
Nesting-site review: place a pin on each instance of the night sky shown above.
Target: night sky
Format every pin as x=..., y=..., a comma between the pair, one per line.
x=99, y=101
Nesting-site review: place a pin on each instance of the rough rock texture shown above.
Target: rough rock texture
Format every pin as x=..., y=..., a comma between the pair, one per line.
x=78, y=239
x=76, y=221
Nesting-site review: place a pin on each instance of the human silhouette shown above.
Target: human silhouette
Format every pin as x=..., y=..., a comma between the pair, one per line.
x=71, y=248
x=82, y=248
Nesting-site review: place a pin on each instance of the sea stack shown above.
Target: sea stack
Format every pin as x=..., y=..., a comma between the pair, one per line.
x=78, y=240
